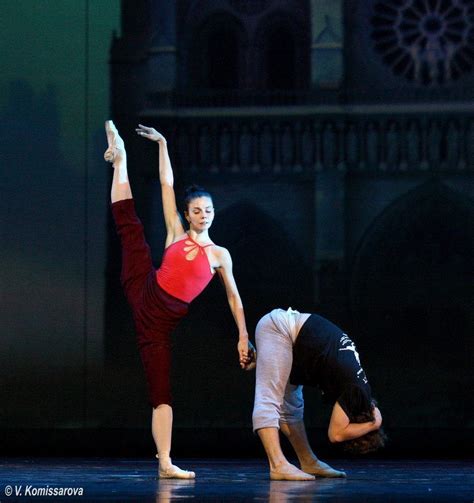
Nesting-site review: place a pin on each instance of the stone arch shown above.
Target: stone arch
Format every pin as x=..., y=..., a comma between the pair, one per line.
x=215, y=52
x=269, y=270
x=282, y=43
x=411, y=300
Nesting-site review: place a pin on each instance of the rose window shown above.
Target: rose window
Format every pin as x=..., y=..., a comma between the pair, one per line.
x=430, y=42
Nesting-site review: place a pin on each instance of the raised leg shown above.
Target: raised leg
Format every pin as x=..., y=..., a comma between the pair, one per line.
x=117, y=155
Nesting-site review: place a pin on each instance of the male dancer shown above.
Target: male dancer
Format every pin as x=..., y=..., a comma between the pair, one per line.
x=299, y=348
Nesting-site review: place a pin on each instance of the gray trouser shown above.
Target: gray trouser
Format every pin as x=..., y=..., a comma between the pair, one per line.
x=276, y=400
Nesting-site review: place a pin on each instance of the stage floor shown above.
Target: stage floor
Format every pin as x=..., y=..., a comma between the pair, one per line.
x=232, y=480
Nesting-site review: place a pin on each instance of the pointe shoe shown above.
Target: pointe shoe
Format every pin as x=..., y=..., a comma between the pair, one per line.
x=116, y=146
x=173, y=472
x=322, y=469
x=290, y=473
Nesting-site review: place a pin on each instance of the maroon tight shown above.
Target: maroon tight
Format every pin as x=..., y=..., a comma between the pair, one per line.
x=155, y=312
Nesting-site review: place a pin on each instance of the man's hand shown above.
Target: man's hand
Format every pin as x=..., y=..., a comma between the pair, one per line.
x=377, y=418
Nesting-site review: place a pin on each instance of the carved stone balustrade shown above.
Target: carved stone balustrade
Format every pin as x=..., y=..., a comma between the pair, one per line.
x=308, y=139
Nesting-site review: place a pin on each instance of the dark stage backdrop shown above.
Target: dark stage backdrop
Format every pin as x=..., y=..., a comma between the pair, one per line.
x=390, y=259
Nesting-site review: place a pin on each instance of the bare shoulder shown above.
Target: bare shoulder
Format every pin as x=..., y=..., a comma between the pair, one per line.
x=222, y=255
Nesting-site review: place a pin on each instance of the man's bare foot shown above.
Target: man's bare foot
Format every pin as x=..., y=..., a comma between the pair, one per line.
x=288, y=471
x=322, y=469
x=116, y=146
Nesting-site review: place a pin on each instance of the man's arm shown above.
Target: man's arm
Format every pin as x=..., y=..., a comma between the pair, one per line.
x=341, y=429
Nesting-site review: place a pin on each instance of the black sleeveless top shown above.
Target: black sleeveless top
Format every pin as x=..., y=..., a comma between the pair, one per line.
x=324, y=356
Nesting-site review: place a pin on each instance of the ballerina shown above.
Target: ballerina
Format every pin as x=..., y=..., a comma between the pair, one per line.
x=159, y=299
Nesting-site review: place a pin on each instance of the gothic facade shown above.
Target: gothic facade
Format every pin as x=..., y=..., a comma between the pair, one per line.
x=338, y=139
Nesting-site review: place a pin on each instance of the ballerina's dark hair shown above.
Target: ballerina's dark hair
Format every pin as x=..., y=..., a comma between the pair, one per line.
x=192, y=192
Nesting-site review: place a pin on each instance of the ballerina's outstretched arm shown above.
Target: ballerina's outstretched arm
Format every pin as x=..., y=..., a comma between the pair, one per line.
x=173, y=222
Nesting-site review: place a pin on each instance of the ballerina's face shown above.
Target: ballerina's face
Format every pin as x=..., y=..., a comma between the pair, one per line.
x=200, y=213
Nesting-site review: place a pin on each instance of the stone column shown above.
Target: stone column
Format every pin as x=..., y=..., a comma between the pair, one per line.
x=329, y=246
x=162, y=54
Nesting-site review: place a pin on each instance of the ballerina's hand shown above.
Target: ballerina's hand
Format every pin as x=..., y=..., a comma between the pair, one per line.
x=150, y=133
x=248, y=359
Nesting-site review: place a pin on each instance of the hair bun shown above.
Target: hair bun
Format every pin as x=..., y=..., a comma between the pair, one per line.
x=191, y=189
x=193, y=192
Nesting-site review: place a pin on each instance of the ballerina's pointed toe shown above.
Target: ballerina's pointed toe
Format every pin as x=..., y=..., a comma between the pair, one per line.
x=173, y=472
x=116, y=146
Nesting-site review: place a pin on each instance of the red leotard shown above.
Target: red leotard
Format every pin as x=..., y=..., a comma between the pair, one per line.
x=185, y=269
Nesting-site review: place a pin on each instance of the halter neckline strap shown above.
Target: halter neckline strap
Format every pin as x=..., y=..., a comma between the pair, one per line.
x=196, y=243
